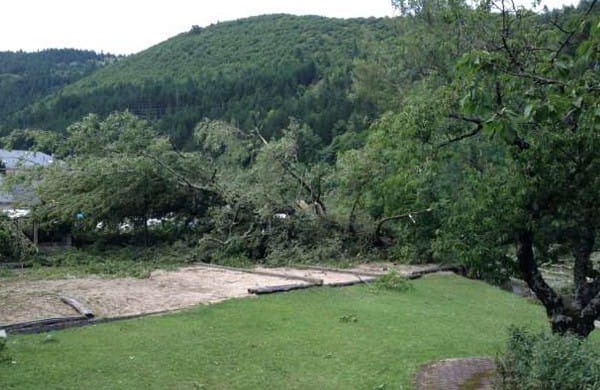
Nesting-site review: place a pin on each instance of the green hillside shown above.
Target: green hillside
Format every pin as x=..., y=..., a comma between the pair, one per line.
x=255, y=72
x=27, y=77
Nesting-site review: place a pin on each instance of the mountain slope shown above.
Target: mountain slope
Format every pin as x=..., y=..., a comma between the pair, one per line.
x=256, y=72
x=27, y=77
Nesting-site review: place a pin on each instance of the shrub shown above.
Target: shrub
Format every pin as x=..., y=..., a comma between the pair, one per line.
x=392, y=281
x=547, y=361
x=14, y=245
x=4, y=356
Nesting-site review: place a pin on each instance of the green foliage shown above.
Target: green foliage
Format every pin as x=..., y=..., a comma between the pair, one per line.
x=14, y=245
x=255, y=72
x=28, y=77
x=395, y=174
x=545, y=361
x=539, y=172
x=115, y=171
x=273, y=198
x=500, y=143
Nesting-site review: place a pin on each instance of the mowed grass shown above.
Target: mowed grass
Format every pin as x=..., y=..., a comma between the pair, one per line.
x=321, y=338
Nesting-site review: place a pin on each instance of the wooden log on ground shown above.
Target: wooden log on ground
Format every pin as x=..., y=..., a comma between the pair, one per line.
x=446, y=268
x=281, y=288
x=50, y=324
x=263, y=273
x=342, y=271
x=21, y=327
x=351, y=282
x=80, y=307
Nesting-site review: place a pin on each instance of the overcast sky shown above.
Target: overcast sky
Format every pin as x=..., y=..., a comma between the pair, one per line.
x=128, y=26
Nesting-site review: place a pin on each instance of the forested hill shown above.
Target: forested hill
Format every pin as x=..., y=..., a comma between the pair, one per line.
x=27, y=77
x=255, y=72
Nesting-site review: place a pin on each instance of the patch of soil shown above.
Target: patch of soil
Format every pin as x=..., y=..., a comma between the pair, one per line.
x=163, y=290
x=23, y=300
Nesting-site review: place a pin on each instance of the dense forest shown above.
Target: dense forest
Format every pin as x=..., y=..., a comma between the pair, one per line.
x=28, y=77
x=455, y=133
x=256, y=72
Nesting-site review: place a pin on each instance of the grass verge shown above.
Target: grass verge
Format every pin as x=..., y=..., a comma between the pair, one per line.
x=299, y=340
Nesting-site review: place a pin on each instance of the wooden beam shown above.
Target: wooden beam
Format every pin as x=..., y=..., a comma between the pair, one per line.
x=445, y=268
x=80, y=307
x=40, y=325
x=351, y=282
x=280, y=288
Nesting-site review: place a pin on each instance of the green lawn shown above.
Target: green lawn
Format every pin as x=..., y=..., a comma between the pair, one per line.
x=321, y=338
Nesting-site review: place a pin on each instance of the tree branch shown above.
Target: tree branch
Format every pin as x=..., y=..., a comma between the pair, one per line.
x=314, y=195
x=570, y=34
x=399, y=216
x=182, y=179
x=536, y=78
x=472, y=133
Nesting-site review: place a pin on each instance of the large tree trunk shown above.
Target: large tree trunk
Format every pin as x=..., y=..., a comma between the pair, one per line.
x=587, y=293
x=566, y=315
x=582, y=267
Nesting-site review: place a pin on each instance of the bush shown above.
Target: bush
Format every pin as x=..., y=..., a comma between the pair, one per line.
x=4, y=356
x=14, y=245
x=547, y=361
x=392, y=281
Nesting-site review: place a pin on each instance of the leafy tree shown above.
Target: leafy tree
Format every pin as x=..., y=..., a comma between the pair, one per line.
x=504, y=155
x=534, y=87
x=114, y=171
x=272, y=193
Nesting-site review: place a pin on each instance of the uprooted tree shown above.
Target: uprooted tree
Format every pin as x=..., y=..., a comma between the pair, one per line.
x=236, y=194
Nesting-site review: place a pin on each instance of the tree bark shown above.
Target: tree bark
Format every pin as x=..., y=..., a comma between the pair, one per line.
x=582, y=268
x=555, y=309
x=567, y=314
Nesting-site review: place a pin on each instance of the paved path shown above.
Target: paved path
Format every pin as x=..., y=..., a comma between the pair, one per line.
x=457, y=374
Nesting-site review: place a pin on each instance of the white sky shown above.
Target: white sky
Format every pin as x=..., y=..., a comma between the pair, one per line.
x=127, y=26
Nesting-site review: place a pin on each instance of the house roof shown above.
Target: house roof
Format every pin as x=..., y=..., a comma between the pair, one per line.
x=15, y=159
x=20, y=159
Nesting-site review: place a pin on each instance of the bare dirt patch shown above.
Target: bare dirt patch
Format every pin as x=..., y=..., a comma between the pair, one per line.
x=24, y=300
x=163, y=290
